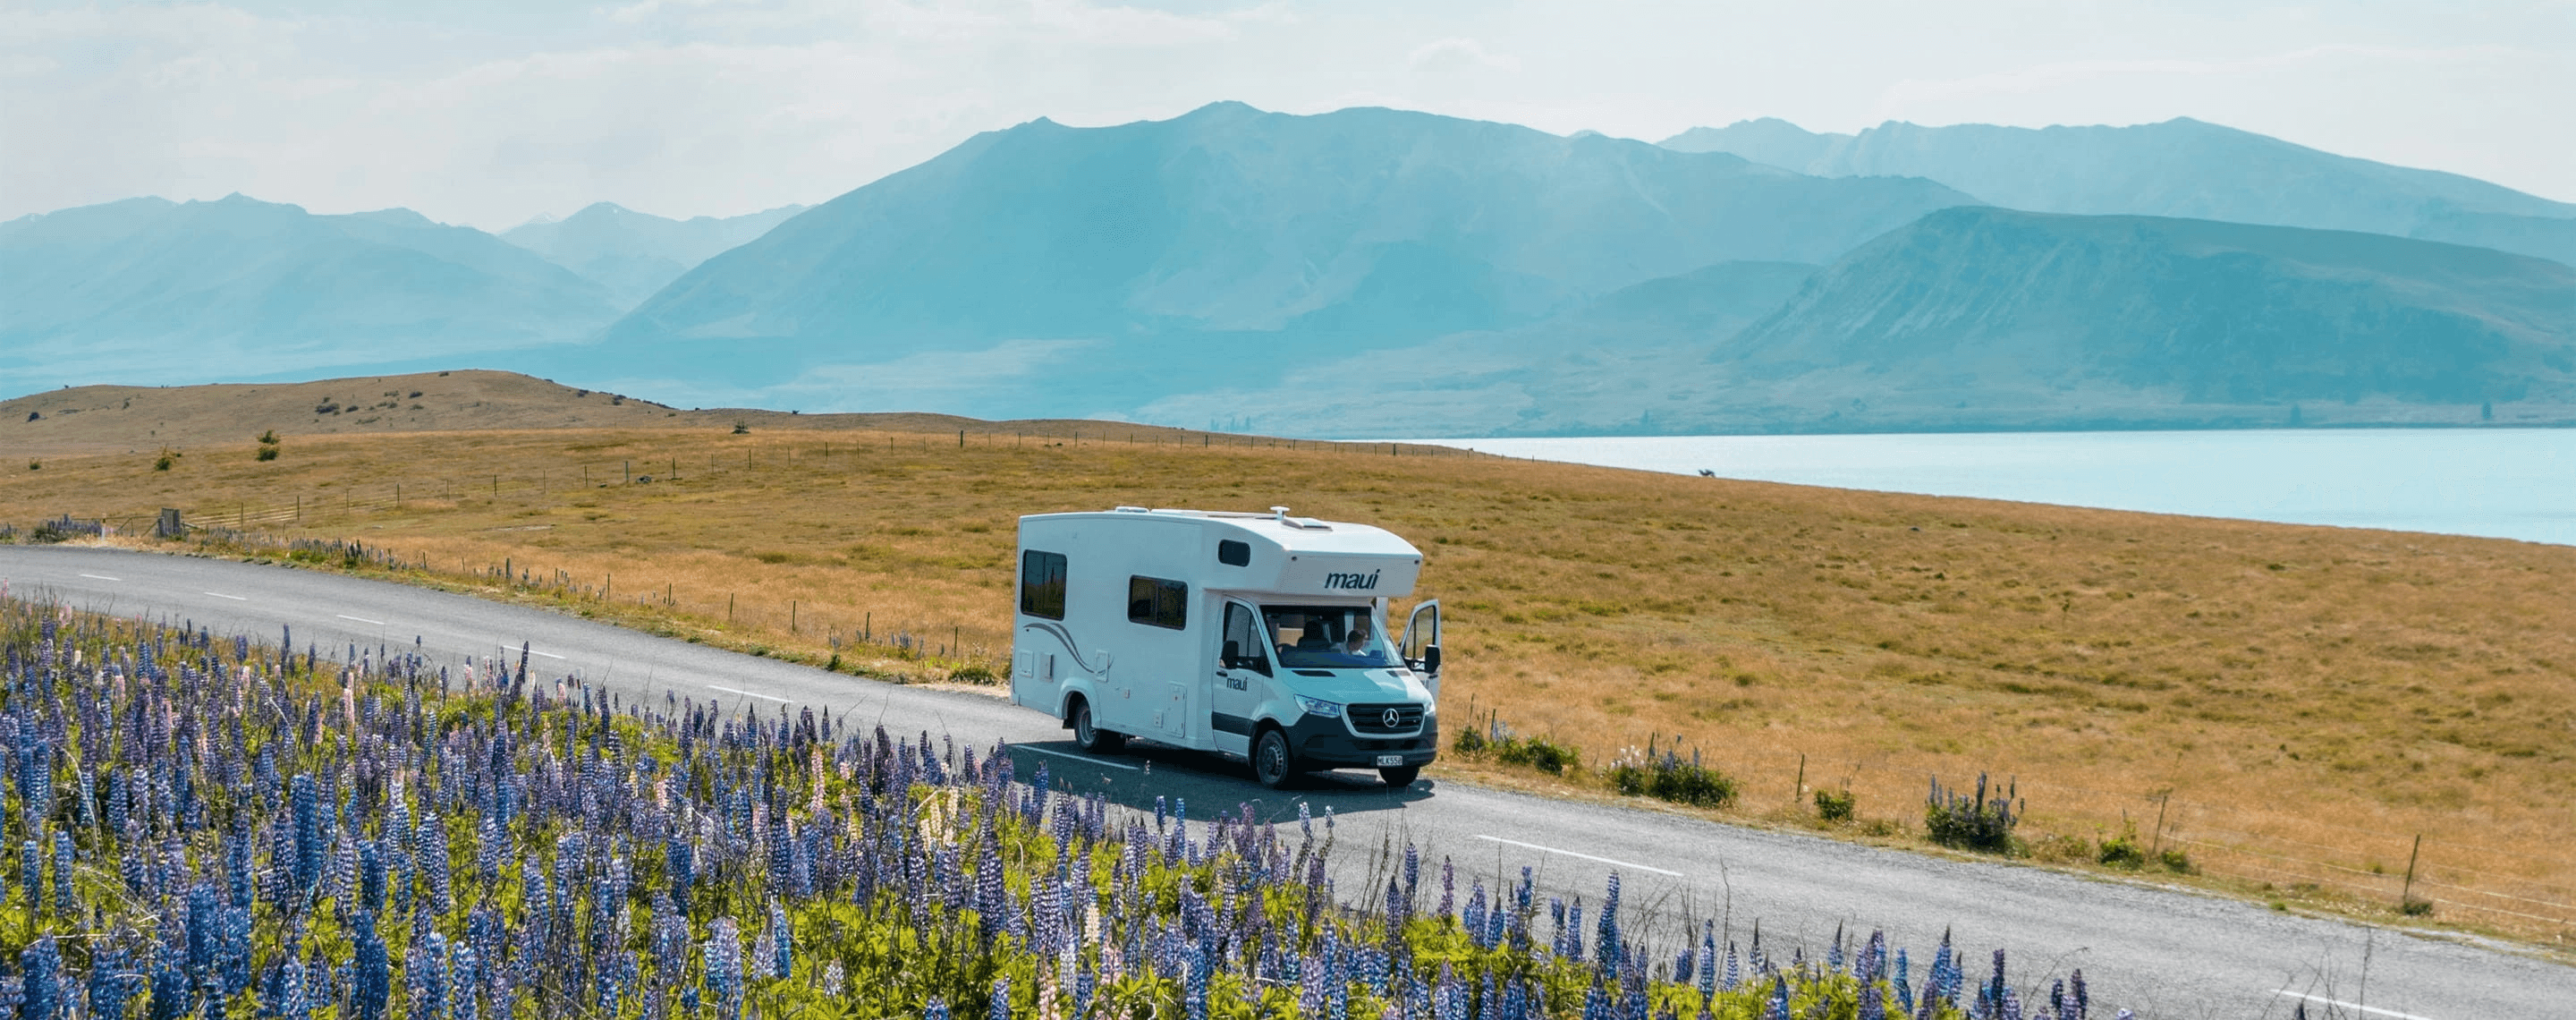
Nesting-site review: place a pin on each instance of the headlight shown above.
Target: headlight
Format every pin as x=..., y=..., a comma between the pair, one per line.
x=1325, y=709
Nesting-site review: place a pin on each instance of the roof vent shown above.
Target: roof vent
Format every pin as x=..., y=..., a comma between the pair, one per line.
x=1300, y=523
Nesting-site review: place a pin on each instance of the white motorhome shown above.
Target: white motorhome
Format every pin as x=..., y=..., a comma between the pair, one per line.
x=1257, y=635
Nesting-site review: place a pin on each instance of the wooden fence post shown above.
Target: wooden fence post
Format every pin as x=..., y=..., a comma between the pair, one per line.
x=2407, y=892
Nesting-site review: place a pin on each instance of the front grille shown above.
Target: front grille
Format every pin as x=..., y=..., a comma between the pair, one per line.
x=1372, y=718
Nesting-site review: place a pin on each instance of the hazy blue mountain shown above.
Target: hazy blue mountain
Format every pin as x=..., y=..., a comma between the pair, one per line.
x=1983, y=318
x=1628, y=361
x=1977, y=317
x=2181, y=167
x=1222, y=246
x=1767, y=140
x=147, y=290
x=633, y=254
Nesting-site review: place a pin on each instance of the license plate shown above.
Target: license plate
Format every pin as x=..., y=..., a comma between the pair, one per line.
x=1390, y=760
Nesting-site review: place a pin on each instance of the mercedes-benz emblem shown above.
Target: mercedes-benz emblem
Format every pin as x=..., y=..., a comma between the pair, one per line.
x=1394, y=719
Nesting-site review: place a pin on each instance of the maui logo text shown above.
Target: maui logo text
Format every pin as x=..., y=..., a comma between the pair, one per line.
x=1354, y=581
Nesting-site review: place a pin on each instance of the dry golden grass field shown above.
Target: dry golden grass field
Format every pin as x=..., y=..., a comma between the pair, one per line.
x=2290, y=706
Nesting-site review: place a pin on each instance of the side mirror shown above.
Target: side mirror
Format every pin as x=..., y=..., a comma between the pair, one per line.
x=1233, y=651
x=1431, y=659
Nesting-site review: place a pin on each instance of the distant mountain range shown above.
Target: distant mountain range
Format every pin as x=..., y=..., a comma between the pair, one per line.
x=2181, y=167
x=1087, y=271
x=1378, y=272
x=633, y=254
x=1977, y=318
x=147, y=290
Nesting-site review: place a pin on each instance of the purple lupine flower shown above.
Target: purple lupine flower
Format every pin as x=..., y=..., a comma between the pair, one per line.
x=31, y=871
x=784, y=938
x=291, y=1003
x=66, y=892
x=43, y=966
x=170, y=989
x=306, y=804
x=724, y=967
x=1904, y=992
x=112, y=980
x=1608, y=949
x=370, y=974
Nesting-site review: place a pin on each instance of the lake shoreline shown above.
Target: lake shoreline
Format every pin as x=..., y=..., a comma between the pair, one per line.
x=2493, y=482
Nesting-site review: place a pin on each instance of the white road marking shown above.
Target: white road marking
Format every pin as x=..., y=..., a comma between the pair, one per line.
x=531, y=651
x=747, y=694
x=1570, y=853
x=1084, y=758
x=220, y=595
x=2322, y=1000
x=360, y=619
x=102, y=577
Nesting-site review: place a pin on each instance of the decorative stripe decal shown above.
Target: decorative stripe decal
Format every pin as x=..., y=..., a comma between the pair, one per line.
x=1065, y=636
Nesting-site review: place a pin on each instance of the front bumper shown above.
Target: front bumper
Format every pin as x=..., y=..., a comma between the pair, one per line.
x=1328, y=743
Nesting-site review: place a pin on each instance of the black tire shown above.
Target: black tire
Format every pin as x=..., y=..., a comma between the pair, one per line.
x=1092, y=739
x=1272, y=762
x=1400, y=776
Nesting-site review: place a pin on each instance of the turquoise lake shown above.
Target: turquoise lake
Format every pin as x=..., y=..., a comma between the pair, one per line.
x=2501, y=483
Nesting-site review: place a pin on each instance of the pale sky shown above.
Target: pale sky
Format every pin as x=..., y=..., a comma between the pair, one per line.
x=490, y=112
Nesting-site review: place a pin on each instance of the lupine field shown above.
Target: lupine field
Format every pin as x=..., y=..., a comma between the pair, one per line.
x=218, y=827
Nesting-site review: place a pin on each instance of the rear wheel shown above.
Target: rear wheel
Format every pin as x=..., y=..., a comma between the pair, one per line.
x=1272, y=763
x=1400, y=776
x=1092, y=739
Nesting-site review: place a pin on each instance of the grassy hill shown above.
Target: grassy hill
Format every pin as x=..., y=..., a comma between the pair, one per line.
x=128, y=419
x=2259, y=695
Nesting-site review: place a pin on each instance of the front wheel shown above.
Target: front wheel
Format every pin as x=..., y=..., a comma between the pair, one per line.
x=1271, y=762
x=1092, y=739
x=1400, y=776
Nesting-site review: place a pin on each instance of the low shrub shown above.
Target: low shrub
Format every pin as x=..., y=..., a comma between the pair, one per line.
x=2177, y=862
x=2122, y=852
x=1835, y=806
x=1978, y=823
x=64, y=529
x=2414, y=907
x=1541, y=753
x=1496, y=737
x=268, y=453
x=973, y=673
x=1663, y=775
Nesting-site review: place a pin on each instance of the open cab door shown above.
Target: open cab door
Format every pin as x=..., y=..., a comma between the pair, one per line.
x=1421, y=644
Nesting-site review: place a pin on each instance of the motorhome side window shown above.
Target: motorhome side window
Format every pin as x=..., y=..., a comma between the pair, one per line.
x=1042, y=584
x=1158, y=603
x=1233, y=553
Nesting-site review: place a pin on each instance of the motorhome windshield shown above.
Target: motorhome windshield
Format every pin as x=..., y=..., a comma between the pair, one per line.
x=1328, y=637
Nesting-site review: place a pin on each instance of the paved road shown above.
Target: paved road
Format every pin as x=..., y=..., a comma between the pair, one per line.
x=2163, y=953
